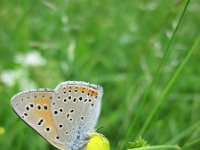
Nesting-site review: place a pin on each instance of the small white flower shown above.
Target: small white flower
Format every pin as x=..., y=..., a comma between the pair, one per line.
x=32, y=58
x=9, y=77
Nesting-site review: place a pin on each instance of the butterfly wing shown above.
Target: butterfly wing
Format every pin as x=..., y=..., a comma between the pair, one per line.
x=34, y=107
x=76, y=108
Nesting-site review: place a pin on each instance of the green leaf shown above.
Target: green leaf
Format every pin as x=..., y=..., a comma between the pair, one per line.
x=139, y=142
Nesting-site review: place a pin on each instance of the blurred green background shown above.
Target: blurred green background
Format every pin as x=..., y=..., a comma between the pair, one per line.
x=117, y=44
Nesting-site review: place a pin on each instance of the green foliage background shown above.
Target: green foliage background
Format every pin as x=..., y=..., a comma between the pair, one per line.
x=117, y=44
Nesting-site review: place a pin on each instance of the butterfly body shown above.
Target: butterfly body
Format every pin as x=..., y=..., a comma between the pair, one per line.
x=64, y=116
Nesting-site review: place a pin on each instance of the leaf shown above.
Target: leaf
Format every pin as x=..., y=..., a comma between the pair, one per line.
x=139, y=142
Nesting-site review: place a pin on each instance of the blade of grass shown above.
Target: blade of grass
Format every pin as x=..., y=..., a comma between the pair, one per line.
x=190, y=140
x=159, y=147
x=186, y=132
x=191, y=144
x=169, y=85
x=146, y=94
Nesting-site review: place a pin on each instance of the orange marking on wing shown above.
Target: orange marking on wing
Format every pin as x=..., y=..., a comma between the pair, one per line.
x=94, y=93
x=37, y=101
x=88, y=91
x=64, y=89
x=82, y=89
x=45, y=114
x=44, y=101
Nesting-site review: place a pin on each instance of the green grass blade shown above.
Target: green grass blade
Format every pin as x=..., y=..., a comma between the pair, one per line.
x=138, y=112
x=191, y=143
x=170, y=84
x=185, y=133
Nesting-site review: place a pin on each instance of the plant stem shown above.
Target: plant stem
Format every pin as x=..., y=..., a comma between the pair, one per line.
x=158, y=147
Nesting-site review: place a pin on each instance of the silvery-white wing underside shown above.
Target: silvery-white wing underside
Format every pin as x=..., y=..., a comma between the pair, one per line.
x=34, y=108
x=76, y=108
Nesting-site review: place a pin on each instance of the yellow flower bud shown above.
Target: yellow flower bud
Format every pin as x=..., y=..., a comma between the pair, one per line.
x=98, y=142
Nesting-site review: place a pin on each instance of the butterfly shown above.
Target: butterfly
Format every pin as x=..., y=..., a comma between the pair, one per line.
x=64, y=116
